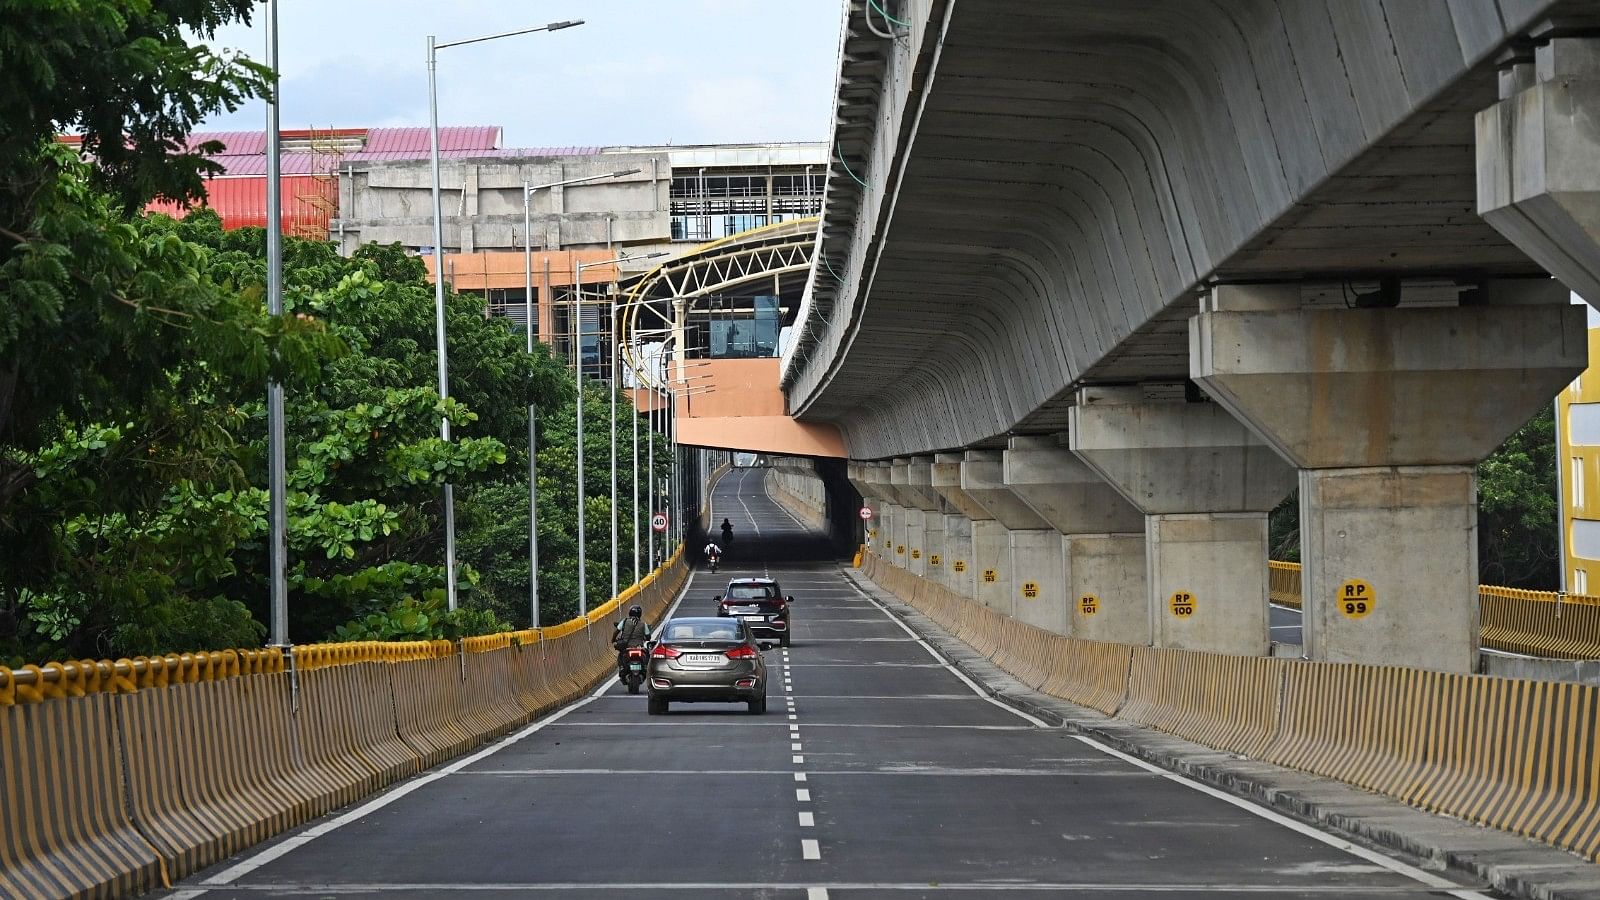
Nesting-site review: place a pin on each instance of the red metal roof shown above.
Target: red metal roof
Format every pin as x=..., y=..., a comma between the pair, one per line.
x=416, y=140
x=235, y=143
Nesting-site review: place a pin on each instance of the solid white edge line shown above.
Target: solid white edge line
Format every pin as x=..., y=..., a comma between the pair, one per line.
x=1421, y=876
x=941, y=660
x=1373, y=856
x=288, y=845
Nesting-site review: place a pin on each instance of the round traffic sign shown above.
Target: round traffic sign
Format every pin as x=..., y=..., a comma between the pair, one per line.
x=866, y=512
x=658, y=522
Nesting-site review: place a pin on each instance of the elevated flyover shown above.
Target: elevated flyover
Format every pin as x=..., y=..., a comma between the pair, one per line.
x=1109, y=281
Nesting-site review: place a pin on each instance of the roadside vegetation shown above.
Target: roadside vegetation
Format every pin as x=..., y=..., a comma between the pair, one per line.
x=134, y=353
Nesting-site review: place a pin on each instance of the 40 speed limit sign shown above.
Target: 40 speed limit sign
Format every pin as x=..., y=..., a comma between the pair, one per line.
x=658, y=522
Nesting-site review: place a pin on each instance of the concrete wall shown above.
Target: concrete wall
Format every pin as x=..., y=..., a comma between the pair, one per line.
x=383, y=202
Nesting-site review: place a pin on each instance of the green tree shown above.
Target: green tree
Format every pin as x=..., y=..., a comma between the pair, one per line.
x=1517, y=509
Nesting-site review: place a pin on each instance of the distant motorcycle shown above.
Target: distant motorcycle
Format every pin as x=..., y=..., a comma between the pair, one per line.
x=713, y=559
x=633, y=669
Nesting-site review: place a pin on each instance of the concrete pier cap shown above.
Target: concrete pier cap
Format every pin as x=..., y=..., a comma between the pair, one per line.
x=1101, y=537
x=945, y=477
x=1538, y=155
x=918, y=486
x=1074, y=499
x=983, y=480
x=1205, y=484
x=1386, y=412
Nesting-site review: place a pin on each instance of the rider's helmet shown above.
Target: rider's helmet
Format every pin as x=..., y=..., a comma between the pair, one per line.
x=635, y=612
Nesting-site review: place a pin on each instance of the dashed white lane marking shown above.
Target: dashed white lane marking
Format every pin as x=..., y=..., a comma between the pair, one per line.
x=802, y=795
x=790, y=687
x=799, y=776
x=1429, y=879
x=808, y=820
x=796, y=747
x=792, y=716
x=816, y=894
x=799, y=760
x=810, y=849
x=235, y=872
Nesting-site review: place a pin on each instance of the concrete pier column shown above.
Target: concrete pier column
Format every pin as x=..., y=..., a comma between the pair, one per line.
x=1017, y=548
x=1387, y=412
x=1205, y=485
x=1101, y=534
x=908, y=538
x=855, y=473
x=888, y=509
x=960, y=511
x=927, y=555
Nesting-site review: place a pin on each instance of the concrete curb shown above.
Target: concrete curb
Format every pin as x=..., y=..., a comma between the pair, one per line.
x=1506, y=862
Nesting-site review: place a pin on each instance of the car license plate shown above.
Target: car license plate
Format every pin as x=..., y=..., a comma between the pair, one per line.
x=705, y=659
x=753, y=617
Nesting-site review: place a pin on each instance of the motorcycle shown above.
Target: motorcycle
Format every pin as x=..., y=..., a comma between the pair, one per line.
x=714, y=559
x=633, y=669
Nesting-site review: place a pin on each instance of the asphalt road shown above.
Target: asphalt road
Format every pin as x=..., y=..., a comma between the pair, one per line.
x=877, y=772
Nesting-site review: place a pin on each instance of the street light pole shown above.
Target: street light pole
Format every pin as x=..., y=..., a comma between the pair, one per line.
x=577, y=318
x=438, y=279
x=277, y=503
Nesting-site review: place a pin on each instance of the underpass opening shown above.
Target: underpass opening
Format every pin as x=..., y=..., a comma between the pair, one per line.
x=812, y=501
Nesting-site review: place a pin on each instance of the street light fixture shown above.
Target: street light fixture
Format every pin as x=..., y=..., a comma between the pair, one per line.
x=533, y=438
x=438, y=277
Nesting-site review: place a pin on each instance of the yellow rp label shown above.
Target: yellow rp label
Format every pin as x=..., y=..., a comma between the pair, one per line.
x=1182, y=604
x=915, y=553
x=1030, y=589
x=959, y=565
x=900, y=548
x=935, y=559
x=1088, y=604
x=990, y=576
x=1356, y=599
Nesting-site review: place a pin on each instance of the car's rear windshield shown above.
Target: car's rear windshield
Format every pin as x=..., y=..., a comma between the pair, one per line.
x=702, y=630
x=751, y=592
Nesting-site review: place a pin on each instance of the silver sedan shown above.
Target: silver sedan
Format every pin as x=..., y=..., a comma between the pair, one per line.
x=707, y=659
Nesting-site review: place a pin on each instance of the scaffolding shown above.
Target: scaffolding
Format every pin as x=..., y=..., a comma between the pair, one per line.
x=318, y=194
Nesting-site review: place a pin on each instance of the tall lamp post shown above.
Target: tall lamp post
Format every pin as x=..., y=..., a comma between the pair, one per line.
x=577, y=374
x=277, y=548
x=533, y=437
x=438, y=277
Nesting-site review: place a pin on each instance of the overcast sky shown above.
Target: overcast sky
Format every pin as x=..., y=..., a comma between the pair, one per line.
x=638, y=71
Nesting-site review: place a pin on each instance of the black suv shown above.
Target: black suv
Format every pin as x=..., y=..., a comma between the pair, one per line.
x=761, y=604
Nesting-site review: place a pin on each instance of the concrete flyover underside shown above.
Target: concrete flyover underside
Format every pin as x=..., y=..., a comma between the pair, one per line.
x=1025, y=197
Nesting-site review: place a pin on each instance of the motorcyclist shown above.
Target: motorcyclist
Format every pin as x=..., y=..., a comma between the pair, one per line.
x=727, y=532
x=713, y=554
x=633, y=631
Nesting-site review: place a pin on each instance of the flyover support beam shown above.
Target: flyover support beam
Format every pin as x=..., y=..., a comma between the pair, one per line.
x=888, y=517
x=1101, y=536
x=924, y=531
x=1205, y=485
x=1386, y=412
x=961, y=512
x=1539, y=159
x=1027, y=580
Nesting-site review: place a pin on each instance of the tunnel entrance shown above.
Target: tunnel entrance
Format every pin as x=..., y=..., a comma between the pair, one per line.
x=782, y=510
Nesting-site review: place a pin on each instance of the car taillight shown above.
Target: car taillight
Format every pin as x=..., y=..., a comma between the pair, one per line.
x=741, y=653
x=662, y=651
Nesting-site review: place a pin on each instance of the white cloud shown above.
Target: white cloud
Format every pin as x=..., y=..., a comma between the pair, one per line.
x=694, y=71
